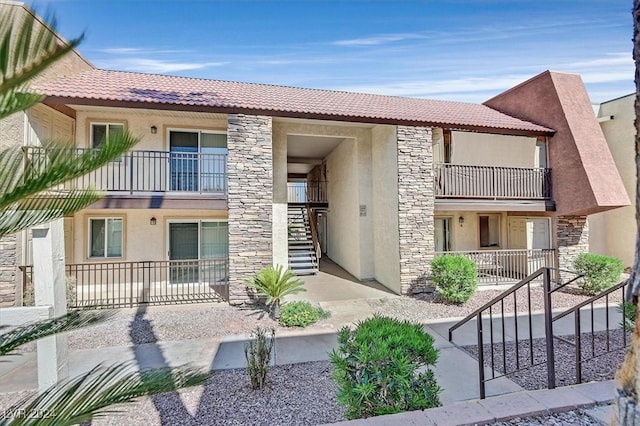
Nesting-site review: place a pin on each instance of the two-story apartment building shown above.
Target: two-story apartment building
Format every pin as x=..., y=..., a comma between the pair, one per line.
x=229, y=177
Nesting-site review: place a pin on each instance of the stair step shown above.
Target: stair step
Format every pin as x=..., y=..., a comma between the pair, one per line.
x=305, y=271
x=304, y=254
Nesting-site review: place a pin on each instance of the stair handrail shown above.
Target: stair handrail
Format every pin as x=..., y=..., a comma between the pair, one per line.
x=590, y=300
x=314, y=234
x=495, y=300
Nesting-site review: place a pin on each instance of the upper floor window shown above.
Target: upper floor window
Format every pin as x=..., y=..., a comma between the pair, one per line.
x=101, y=131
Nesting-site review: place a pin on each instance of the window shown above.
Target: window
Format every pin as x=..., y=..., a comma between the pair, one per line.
x=101, y=131
x=443, y=233
x=447, y=145
x=489, y=230
x=105, y=237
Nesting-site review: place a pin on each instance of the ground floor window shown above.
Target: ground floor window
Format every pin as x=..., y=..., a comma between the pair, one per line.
x=443, y=233
x=105, y=237
x=489, y=230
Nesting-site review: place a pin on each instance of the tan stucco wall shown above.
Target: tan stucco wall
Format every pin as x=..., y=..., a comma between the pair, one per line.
x=142, y=241
x=484, y=149
x=12, y=130
x=613, y=232
x=343, y=233
x=386, y=244
x=139, y=123
x=280, y=232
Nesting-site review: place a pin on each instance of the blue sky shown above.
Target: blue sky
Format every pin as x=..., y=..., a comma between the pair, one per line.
x=454, y=50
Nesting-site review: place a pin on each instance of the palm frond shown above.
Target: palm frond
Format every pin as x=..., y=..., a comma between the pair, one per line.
x=53, y=165
x=31, y=332
x=87, y=396
x=27, y=49
x=35, y=211
x=28, y=173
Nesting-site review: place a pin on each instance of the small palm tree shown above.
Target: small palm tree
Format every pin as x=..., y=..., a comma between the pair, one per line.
x=275, y=284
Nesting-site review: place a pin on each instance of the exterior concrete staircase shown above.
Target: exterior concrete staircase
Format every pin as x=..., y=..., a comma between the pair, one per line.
x=302, y=255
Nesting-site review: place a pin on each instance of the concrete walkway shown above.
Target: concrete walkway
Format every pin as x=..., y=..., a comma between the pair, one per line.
x=456, y=371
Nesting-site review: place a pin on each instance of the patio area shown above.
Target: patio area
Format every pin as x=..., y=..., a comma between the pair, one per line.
x=332, y=283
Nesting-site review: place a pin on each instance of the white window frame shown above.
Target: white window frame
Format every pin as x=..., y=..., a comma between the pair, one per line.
x=103, y=123
x=198, y=221
x=198, y=131
x=106, y=237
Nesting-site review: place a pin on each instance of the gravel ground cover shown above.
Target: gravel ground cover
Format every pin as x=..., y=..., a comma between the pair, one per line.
x=297, y=394
x=575, y=417
x=598, y=363
x=202, y=321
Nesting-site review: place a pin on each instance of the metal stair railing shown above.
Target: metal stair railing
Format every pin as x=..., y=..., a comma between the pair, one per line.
x=494, y=311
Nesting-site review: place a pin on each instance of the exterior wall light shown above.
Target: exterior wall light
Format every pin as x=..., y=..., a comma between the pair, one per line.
x=153, y=221
x=154, y=130
x=461, y=220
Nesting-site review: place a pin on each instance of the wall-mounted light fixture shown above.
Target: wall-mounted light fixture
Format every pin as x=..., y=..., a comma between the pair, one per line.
x=153, y=221
x=154, y=130
x=461, y=220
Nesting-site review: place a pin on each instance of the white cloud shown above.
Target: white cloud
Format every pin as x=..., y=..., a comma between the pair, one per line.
x=155, y=65
x=377, y=40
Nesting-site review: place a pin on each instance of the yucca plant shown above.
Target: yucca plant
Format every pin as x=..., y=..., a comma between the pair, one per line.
x=274, y=284
x=27, y=48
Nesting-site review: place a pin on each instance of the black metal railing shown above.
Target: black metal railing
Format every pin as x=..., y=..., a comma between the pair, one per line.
x=492, y=324
x=146, y=171
x=491, y=182
x=307, y=192
x=117, y=284
x=499, y=267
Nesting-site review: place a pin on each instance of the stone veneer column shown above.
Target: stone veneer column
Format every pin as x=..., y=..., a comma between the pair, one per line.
x=572, y=236
x=415, y=206
x=250, y=174
x=8, y=269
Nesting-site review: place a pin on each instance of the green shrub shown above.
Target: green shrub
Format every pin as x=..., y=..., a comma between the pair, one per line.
x=630, y=311
x=376, y=368
x=455, y=277
x=257, y=352
x=301, y=314
x=600, y=272
x=274, y=284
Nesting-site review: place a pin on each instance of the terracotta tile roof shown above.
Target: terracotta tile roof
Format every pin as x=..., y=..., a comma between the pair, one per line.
x=102, y=85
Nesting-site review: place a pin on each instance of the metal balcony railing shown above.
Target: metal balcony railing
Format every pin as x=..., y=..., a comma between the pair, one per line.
x=146, y=171
x=492, y=182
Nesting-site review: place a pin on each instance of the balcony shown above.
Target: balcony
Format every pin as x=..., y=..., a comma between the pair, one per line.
x=491, y=182
x=307, y=192
x=148, y=172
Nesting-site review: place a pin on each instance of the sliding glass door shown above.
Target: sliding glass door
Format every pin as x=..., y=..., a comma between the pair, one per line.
x=198, y=161
x=197, y=250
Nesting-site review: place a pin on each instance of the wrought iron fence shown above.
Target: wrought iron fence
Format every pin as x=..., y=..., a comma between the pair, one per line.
x=496, y=267
x=117, y=284
x=307, y=192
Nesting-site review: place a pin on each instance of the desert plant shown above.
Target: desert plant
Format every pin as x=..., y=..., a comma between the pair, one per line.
x=455, y=277
x=301, y=314
x=600, y=272
x=383, y=367
x=274, y=284
x=630, y=311
x=257, y=351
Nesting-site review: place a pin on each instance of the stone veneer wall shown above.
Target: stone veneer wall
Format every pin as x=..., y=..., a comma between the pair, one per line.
x=415, y=207
x=8, y=269
x=250, y=174
x=572, y=236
